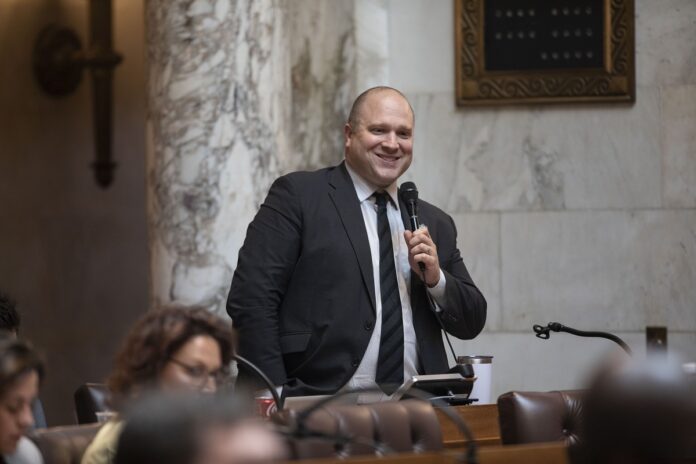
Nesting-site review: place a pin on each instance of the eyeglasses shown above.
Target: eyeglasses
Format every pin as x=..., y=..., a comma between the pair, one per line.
x=200, y=374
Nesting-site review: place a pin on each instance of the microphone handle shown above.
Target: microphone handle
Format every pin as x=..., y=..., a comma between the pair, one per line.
x=415, y=224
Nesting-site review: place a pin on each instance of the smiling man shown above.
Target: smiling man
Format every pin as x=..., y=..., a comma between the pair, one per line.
x=328, y=292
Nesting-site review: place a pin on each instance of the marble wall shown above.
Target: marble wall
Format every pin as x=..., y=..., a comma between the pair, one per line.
x=582, y=214
x=239, y=93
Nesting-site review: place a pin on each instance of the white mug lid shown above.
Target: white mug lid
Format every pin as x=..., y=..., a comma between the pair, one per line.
x=475, y=359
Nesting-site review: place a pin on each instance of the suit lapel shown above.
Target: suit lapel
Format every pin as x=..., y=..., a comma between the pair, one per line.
x=346, y=202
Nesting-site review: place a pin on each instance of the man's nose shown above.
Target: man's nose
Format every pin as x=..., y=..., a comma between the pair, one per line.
x=389, y=142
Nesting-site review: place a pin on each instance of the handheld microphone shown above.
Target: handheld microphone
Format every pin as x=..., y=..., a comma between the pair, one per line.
x=409, y=193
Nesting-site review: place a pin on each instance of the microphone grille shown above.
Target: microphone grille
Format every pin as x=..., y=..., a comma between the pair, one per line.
x=409, y=192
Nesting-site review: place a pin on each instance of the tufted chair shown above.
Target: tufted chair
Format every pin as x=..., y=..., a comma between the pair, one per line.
x=399, y=426
x=90, y=398
x=64, y=445
x=535, y=417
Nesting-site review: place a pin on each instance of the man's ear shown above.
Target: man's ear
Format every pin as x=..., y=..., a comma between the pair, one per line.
x=347, y=132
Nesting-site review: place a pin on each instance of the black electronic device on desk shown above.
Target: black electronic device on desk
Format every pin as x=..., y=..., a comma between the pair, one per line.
x=452, y=388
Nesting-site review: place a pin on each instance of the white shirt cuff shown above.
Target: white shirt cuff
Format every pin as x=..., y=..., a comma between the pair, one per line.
x=438, y=291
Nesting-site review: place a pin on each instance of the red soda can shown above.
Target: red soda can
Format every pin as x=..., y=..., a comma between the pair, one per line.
x=265, y=406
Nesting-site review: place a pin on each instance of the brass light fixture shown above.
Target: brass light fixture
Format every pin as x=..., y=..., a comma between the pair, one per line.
x=58, y=63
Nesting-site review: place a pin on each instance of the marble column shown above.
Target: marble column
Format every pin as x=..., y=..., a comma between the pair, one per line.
x=239, y=93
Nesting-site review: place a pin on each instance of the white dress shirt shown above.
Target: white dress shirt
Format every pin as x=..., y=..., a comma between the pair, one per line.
x=364, y=376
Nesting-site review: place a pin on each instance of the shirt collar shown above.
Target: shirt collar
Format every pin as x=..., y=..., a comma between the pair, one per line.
x=365, y=189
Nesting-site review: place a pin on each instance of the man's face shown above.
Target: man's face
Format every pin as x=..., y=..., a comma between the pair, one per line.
x=380, y=146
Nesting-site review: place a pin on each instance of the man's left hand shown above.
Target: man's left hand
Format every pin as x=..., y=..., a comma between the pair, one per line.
x=422, y=249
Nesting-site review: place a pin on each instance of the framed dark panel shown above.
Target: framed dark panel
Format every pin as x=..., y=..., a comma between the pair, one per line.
x=544, y=51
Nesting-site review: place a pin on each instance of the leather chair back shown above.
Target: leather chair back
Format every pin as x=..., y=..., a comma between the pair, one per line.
x=399, y=426
x=535, y=417
x=64, y=445
x=90, y=398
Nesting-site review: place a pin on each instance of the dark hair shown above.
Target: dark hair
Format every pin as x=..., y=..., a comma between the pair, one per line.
x=353, y=117
x=17, y=358
x=639, y=412
x=9, y=317
x=158, y=428
x=154, y=339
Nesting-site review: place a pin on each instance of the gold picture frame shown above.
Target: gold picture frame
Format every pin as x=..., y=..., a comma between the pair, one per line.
x=612, y=80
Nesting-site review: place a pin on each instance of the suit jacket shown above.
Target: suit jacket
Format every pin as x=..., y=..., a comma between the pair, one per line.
x=302, y=297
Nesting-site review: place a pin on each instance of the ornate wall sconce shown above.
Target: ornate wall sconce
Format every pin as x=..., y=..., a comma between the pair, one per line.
x=58, y=63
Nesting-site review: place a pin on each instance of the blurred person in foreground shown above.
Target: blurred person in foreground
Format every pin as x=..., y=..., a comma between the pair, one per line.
x=10, y=320
x=175, y=349
x=639, y=412
x=187, y=429
x=21, y=372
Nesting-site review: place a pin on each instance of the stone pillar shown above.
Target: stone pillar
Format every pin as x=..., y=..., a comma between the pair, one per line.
x=239, y=93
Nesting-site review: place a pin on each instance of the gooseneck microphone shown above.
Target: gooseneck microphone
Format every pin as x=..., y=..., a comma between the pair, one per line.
x=545, y=332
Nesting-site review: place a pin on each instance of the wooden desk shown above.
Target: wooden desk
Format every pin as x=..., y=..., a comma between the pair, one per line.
x=536, y=453
x=482, y=420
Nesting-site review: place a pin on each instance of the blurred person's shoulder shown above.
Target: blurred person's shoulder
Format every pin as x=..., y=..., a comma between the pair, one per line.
x=26, y=453
x=102, y=449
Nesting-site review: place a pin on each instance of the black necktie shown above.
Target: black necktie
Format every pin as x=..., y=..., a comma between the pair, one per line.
x=390, y=365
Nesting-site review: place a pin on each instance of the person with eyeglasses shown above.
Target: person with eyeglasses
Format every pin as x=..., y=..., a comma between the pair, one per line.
x=169, y=350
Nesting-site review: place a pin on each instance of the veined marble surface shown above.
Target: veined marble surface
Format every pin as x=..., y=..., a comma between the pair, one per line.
x=608, y=270
x=679, y=146
x=538, y=158
x=239, y=93
x=372, y=26
x=663, y=31
x=322, y=48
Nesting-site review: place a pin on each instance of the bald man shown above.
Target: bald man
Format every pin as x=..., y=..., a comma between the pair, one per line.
x=331, y=288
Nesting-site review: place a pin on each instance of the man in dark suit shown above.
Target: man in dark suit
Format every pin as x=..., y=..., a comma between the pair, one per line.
x=328, y=263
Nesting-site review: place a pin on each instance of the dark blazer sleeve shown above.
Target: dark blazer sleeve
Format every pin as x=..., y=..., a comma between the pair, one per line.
x=464, y=312
x=264, y=268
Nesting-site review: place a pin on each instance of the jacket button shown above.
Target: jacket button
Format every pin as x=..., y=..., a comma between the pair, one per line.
x=355, y=362
x=368, y=325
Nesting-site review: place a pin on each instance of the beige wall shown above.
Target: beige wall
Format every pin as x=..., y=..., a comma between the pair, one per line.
x=73, y=255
